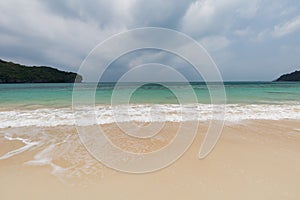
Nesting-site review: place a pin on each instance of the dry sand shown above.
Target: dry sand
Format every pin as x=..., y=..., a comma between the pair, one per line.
x=253, y=160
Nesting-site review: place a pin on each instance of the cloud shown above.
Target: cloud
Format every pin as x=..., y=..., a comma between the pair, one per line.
x=103, y=13
x=286, y=28
x=54, y=39
x=215, y=43
x=238, y=34
x=245, y=32
x=212, y=16
x=159, y=13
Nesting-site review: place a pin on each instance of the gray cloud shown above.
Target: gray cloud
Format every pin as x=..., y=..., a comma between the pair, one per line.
x=159, y=13
x=249, y=40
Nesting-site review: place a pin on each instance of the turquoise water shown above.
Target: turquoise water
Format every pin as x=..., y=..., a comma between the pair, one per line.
x=60, y=95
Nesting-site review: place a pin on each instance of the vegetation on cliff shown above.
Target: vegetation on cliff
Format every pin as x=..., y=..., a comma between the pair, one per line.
x=15, y=73
x=295, y=76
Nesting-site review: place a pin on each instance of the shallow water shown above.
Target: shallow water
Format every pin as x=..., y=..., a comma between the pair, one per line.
x=50, y=104
x=60, y=95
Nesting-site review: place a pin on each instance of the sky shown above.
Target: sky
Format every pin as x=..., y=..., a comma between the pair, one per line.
x=254, y=40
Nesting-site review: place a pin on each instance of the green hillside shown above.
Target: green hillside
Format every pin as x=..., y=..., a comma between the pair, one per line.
x=15, y=73
x=295, y=76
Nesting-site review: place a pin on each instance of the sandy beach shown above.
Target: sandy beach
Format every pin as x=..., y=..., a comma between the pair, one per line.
x=254, y=159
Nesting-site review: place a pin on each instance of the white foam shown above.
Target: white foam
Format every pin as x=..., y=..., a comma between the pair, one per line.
x=45, y=157
x=145, y=113
x=42, y=158
x=79, y=161
x=27, y=142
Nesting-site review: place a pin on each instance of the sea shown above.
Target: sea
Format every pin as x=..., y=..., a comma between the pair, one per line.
x=38, y=121
x=50, y=104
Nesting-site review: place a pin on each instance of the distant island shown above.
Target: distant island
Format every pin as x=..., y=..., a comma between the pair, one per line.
x=295, y=76
x=15, y=73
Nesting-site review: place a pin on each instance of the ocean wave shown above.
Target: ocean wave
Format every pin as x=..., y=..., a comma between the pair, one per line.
x=105, y=114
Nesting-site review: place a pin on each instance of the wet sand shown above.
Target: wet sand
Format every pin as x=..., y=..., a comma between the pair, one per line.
x=255, y=159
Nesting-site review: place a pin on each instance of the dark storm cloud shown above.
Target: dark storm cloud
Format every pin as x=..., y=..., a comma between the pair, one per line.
x=101, y=12
x=249, y=40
